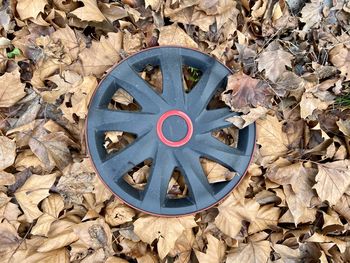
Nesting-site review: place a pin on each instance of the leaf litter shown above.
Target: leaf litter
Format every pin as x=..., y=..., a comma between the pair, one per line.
x=291, y=64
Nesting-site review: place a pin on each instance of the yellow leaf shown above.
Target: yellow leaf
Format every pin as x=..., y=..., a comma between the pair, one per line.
x=165, y=230
x=35, y=189
x=266, y=218
x=11, y=89
x=215, y=251
x=174, y=35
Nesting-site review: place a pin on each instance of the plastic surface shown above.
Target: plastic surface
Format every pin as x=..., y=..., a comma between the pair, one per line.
x=192, y=139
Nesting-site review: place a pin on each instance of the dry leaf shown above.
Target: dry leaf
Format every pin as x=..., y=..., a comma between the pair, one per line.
x=340, y=57
x=311, y=14
x=174, y=35
x=216, y=172
x=165, y=230
x=95, y=62
x=253, y=252
x=272, y=139
x=215, y=251
x=266, y=218
x=35, y=189
x=117, y=213
x=9, y=240
x=89, y=12
x=243, y=92
x=11, y=89
x=332, y=179
x=58, y=241
x=30, y=9
x=268, y=61
x=309, y=103
x=7, y=152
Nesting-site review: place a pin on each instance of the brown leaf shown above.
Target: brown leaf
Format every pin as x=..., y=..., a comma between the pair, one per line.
x=309, y=103
x=30, y=9
x=35, y=189
x=7, y=152
x=272, y=139
x=311, y=14
x=274, y=63
x=58, y=241
x=216, y=172
x=243, y=92
x=165, y=230
x=215, y=251
x=332, y=179
x=9, y=241
x=6, y=178
x=89, y=12
x=266, y=218
x=233, y=211
x=253, y=252
x=95, y=62
x=174, y=35
x=340, y=57
x=11, y=89
x=117, y=213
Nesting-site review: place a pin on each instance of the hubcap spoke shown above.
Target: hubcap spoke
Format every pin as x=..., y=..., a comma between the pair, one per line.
x=214, y=120
x=201, y=191
x=121, y=162
x=217, y=151
x=204, y=90
x=171, y=65
x=134, y=122
x=128, y=79
x=158, y=180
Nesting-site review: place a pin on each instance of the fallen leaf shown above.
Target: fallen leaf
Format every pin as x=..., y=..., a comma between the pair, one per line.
x=117, y=213
x=266, y=218
x=340, y=57
x=183, y=246
x=332, y=179
x=34, y=190
x=9, y=241
x=243, y=92
x=309, y=103
x=311, y=14
x=11, y=89
x=89, y=12
x=95, y=62
x=243, y=121
x=274, y=63
x=30, y=9
x=272, y=139
x=232, y=212
x=174, y=35
x=319, y=238
x=58, y=241
x=215, y=251
x=6, y=178
x=7, y=152
x=216, y=172
x=253, y=252
x=165, y=230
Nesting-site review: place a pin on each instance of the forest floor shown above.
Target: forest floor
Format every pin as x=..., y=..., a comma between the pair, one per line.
x=291, y=77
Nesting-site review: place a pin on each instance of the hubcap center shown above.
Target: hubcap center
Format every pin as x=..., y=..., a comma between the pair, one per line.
x=174, y=128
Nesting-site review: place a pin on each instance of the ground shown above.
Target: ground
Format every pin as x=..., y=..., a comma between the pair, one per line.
x=291, y=64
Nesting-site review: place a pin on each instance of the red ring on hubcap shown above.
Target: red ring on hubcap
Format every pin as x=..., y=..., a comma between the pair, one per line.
x=182, y=115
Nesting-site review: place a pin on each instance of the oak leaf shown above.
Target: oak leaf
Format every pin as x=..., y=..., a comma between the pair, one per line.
x=30, y=9
x=11, y=89
x=89, y=12
x=165, y=230
x=34, y=190
x=333, y=179
x=274, y=63
x=215, y=251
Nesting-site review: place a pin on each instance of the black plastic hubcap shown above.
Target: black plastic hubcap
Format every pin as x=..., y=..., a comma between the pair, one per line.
x=173, y=129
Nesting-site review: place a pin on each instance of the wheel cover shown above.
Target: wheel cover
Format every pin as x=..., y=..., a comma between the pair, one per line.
x=173, y=129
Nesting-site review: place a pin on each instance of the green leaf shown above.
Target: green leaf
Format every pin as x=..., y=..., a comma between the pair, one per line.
x=13, y=53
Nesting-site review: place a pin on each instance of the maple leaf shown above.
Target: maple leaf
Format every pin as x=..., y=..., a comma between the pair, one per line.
x=266, y=218
x=165, y=230
x=332, y=179
x=215, y=251
x=35, y=189
x=243, y=92
x=7, y=152
x=309, y=103
x=95, y=62
x=117, y=213
x=274, y=63
x=11, y=89
x=174, y=35
x=30, y=9
x=216, y=172
x=272, y=139
x=231, y=213
x=89, y=12
x=311, y=14
x=9, y=241
x=252, y=252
